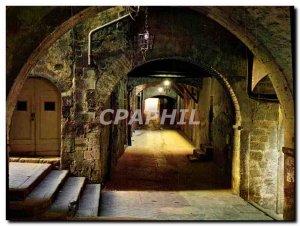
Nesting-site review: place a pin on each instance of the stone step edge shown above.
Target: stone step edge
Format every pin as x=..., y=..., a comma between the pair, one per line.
x=20, y=194
x=80, y=199
x=52, y=215
x=32, y=207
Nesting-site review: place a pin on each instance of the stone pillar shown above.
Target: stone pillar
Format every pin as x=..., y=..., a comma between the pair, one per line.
x=244, y=165
x=236, y=161
x=289, y=184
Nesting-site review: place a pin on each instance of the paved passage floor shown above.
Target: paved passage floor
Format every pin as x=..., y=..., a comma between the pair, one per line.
x=154, y=180
x=157, y=160
x=178, y=205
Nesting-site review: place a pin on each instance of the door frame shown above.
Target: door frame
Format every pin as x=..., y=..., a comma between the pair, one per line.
x=53, y=82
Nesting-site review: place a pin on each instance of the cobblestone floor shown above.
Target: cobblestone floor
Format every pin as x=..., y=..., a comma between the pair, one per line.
x=154, y=180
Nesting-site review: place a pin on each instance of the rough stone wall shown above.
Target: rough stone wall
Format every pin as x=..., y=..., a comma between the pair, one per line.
x=118, y=138
x=216, y=117
x=108, y=45
x=190, y=130
x=26, y=27
x=57, y=64
x=204, y=110
x=85, y=92
x=265, y=158
x=280, y=168
x=222, y=127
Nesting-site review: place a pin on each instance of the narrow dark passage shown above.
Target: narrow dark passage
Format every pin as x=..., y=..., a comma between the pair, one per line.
x=158, y=161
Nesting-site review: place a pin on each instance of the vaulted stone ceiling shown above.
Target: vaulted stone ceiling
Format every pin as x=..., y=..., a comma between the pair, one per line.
x=28, y=26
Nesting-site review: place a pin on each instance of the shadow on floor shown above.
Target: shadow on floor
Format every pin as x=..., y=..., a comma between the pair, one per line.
x=158, y=161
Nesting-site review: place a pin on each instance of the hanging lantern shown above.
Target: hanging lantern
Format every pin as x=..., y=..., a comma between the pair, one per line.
x=145, y=39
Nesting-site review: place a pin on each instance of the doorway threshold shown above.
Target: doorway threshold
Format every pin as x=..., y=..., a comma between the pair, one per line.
x=54, y=161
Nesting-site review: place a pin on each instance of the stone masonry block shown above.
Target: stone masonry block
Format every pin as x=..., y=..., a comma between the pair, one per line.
x=260, y=139
x=259, y=132
x=257, y=145
x=256, y=155
x=80, y=141
x=91, y=155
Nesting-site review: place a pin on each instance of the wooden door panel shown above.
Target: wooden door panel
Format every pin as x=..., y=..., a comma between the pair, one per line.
x=36, y=121
x=22, y=135
x=22, y=124
x=48, y=120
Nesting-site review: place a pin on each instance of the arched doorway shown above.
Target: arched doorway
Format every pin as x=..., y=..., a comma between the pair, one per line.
x=245, y=38
x=35, y=129
x=182, y=73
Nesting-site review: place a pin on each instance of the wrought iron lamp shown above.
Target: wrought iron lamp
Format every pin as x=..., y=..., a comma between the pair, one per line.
x=145, y=39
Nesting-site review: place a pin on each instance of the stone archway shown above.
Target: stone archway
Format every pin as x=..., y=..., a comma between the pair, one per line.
x=198, y=66
x=276, y=74
x=219, y=15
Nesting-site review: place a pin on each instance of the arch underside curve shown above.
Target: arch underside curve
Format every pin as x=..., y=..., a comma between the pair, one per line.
x=215, y=13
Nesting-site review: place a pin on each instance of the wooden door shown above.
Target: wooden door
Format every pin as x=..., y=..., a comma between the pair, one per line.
x=36, y=120
x=22, y=137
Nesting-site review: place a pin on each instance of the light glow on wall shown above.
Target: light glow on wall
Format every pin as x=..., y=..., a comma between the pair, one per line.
x=167, y=83
x=160, y=89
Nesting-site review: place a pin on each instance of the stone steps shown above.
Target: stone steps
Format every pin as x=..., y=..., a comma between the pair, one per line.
x=199, y=153
x=66, y=203
x=23, y=178
x=208, y=149
x=205, y=153
x=54, y=195
x=41, y=197
x=89, y=202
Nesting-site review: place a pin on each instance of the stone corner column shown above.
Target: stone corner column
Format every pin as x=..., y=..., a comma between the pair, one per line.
x=289, y=184
x=236, y=161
